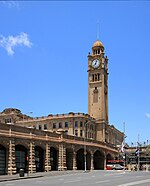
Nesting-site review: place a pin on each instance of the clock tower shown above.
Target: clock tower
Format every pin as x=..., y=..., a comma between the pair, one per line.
x=98, y=88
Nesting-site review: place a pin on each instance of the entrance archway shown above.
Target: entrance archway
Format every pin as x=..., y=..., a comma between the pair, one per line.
x=80, y=160
x=98, y=160
x=21, y=158
x=2, y=160
x=69, y=159
x=39, y=159
x=53, y=158
x=109, y=157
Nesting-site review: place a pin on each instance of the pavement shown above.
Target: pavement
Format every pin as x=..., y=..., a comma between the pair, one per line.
x=36, y=175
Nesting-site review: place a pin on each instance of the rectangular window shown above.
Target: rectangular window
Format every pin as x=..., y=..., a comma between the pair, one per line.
x=76, y=132
x=66, y=132
x=98, y=76
x=34, y=126
x=91, y=127
x=66, y=124
x=54, y=125
x=8, y=120
x=40, y=127
x=60, y=125
x=92, y=77
x=45, y=126
x=81, y=133
x=81, y=124
x=95, y=96
x=76, y=124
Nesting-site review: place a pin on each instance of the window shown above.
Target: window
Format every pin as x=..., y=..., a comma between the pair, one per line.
x=34, y=126
x=92, y=135
x=81, y=124
x=88, y=134
x=85, y=134
x=76, y=132
x=81, y=133
x=91, y=127
x=8, y=120
x=76, y=124
x=45, y=126
x=54, y=125
x=95, y=95
x=66, y=132
x=66, y=124
x=60, y=125
x=40, y=127
x=98, y=77
x=92, y=77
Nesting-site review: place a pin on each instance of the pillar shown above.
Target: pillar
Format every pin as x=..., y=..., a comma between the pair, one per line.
x=92, y=165
x=31, y=158
x=11, y=157
x=62, y=158
x=103, y=132
x=105, y=158
x=74, y=160
x=47, y=158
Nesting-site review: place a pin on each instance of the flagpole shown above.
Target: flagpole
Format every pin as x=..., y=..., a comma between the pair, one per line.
x=124, y=144
x=138, y=153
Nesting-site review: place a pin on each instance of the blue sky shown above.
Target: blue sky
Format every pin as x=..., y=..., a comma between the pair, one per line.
x=43, y=58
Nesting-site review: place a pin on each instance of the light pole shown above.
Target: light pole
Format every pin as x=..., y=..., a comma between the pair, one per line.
x=85, y=125
x=138, y=152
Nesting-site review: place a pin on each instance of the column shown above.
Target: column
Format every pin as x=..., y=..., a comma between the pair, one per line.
x=62, y=158
x=92, y=165
x=103, y=132
x=47, y=158
x=31, y=158
x=74, y=160
x=105, y=161
x=11, y=157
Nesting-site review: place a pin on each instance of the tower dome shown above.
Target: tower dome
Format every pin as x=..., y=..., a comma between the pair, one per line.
x=97, y=44
x=97, y=47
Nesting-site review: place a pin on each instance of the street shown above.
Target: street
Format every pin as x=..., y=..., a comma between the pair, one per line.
x=93, y=178
x=104, y=178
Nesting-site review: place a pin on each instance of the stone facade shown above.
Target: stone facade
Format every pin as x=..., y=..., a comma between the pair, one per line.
x=57, y=150
x=72, y=124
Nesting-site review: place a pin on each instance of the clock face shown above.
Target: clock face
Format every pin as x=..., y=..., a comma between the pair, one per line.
x=95, y=63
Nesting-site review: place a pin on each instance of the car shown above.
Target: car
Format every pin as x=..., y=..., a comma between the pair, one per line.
x=109, y=167
x=117, y=167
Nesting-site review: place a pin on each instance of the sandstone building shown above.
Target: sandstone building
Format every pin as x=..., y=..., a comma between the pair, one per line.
x=64, y=141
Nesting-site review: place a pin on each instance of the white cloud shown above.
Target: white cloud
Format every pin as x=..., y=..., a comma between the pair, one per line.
x=10, y=4
x=147, y=115
x=12, y=41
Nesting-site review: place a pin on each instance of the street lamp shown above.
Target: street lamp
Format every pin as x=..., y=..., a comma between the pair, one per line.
x=124, y=153
x=85, y=124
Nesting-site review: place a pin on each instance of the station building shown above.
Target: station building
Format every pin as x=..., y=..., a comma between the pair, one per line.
x=71, y=141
